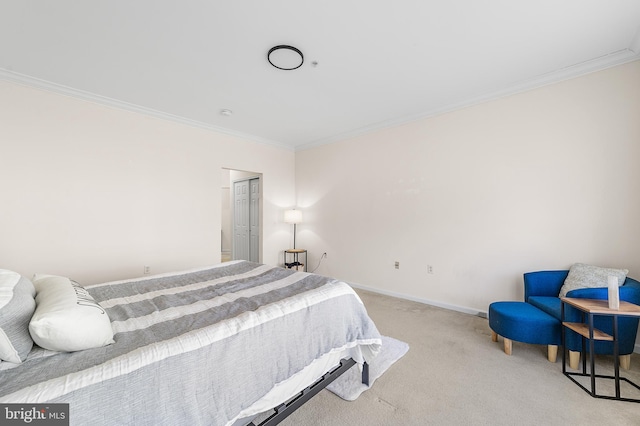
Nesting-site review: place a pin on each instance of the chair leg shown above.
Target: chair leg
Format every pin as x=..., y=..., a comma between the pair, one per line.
x=508, y=344
x=494, y=336
x=552, y=353
x=574, y=359
x=625, y=361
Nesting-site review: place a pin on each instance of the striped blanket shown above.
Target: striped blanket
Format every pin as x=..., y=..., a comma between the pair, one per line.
x=202, y=347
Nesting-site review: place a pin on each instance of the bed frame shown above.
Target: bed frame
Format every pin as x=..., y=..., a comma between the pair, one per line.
x=284, y=410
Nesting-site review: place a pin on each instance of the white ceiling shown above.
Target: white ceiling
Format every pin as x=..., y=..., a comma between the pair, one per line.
x=379, y=62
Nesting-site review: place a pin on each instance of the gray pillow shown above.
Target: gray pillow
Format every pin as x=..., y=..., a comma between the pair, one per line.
x=583, y=276
x=17, y=304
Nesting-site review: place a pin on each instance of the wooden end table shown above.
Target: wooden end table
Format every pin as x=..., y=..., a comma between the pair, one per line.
x=591, y=307
x=297, y=263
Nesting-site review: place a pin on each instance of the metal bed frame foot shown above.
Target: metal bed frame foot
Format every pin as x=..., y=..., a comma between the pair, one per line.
x=283, y=411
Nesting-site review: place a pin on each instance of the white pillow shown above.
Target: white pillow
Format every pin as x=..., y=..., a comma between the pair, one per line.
x=67, y=318
x=589, y=276
x=16, y=307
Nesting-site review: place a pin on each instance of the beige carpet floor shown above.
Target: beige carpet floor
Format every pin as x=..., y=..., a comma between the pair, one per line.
x=454, y=374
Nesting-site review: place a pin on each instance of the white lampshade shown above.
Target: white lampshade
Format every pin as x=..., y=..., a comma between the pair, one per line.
x=293, y=216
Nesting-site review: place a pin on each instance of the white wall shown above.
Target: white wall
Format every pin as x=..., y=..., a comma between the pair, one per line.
x=537, y=180
x=96, y=193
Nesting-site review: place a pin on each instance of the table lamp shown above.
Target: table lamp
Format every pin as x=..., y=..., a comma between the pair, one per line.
x=293, y=216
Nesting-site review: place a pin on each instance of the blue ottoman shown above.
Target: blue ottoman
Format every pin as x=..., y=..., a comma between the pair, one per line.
x=525, y=323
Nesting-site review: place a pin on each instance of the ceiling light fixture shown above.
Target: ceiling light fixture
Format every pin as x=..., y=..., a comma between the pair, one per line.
x=226, y=112
x=285, y=57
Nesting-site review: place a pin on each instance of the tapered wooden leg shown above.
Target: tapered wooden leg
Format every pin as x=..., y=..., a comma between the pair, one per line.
x=574, y=359
x=494, y=336
x=625, y=361
x=552, y=353
x=507, y=346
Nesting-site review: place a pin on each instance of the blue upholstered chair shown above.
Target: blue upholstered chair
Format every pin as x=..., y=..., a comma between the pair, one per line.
x=541, y=290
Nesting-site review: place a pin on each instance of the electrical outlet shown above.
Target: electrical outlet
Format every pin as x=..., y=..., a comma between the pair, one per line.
x=429, y=269
x=147, y=270
x=397, y=265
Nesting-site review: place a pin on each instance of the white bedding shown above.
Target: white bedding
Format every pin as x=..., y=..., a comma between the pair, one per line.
x=206, y=347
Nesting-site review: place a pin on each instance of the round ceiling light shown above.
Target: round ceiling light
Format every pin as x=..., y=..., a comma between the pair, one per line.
x=285, y=57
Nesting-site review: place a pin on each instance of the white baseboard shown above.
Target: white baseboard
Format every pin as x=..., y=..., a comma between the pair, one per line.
x=457, y=308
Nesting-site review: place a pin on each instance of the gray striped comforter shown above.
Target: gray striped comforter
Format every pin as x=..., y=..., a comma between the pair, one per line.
x=199, y=347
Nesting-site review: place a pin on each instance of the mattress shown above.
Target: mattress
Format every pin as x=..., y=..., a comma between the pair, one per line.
x=202, y=347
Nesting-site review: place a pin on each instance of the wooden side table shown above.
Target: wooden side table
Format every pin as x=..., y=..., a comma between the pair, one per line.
x=592, y=307
x=292, y=259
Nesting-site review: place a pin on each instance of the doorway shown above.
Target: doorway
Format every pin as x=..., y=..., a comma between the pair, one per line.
x=241, y=237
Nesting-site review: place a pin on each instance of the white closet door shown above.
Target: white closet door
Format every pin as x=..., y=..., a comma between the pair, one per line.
x=254, y=220
x=246, y=220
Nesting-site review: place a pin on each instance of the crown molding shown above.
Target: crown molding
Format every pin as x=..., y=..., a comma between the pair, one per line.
x=606, y=61
x=29, y=81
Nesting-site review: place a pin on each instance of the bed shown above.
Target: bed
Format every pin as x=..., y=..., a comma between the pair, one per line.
x=210, y=346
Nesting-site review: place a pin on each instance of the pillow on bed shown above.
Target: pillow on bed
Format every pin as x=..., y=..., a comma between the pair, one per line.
x=589, y=276
x=16, y=307
x=67, y=318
